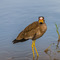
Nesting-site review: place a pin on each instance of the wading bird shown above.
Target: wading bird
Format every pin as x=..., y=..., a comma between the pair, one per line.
x=33, y=32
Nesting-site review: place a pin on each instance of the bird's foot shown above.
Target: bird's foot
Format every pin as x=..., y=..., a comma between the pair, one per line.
x=37, y=55
x=33, y=56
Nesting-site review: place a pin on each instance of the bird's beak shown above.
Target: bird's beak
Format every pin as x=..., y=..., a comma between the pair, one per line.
x=41, y=21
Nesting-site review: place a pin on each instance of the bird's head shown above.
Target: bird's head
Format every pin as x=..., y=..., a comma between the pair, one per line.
x=41, y=20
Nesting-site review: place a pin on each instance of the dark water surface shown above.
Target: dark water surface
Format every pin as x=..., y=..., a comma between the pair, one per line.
x=15, y=15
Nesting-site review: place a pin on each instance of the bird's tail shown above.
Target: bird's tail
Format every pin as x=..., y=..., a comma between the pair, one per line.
x=16, y=41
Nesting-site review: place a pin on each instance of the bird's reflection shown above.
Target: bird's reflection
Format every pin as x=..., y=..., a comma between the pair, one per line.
x=36, y=58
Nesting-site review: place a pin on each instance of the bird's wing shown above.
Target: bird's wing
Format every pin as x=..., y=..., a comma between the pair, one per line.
x=28, y=31
x=31, y=27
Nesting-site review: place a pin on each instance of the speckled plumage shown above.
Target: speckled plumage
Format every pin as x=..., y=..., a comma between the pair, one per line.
x=32, y=31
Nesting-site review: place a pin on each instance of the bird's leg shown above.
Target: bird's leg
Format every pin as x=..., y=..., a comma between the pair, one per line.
x=35, y=48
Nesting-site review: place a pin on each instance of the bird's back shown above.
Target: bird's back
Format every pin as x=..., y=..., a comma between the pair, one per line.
x=32, y=31
x=29, y=31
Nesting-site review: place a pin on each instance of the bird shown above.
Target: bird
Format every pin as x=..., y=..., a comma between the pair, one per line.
x=32, y=32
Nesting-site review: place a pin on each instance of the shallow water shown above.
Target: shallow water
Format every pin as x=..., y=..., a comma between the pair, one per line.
x=15, y=15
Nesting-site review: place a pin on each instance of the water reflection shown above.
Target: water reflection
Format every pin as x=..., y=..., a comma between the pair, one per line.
x=36, y=58
x=16, y=15
x=48, y=52
x=58, y=42
x=13, y=58
x=52, y=52
x=58, y=35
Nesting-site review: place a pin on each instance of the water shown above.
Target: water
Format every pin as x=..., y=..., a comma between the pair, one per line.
x=15, y=15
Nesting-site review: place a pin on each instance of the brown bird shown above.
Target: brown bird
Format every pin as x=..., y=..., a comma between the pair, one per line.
x=33, y=32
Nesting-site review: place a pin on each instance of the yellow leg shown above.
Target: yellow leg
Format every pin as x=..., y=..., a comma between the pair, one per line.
x=36, y=51
x=33, y=50
x=33, y=45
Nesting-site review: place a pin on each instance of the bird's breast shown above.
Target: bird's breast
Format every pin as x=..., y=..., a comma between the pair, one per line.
x=38, y=34
x=44, y=28
x=41, y=30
